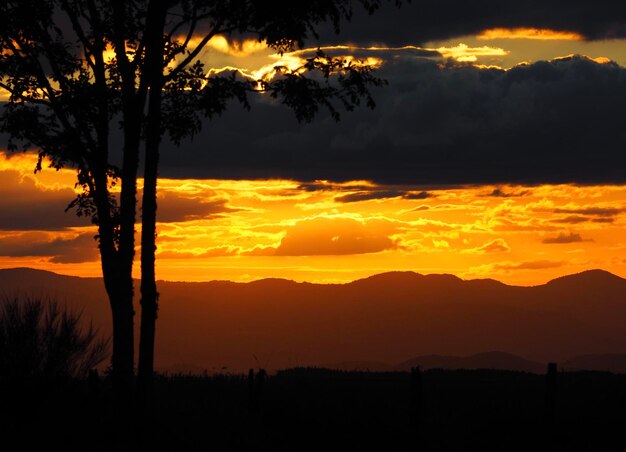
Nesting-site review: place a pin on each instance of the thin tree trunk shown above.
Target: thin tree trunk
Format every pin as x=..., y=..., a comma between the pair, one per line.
x=122, y=295
x=149, y=294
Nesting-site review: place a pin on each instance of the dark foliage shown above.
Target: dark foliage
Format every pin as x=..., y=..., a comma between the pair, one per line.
x=40, y=339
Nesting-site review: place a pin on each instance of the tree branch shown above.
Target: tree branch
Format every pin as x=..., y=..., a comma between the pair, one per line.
x=78, y=29
x=82, y=126
x=21, y=96
x=43, y=81
x=192, y=55
x=119, y=43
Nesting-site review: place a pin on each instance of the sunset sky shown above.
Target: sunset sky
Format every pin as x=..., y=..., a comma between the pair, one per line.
x=498, y=150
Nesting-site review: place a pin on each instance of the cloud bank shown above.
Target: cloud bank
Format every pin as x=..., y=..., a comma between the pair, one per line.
x=557, y=121
x=419, y=22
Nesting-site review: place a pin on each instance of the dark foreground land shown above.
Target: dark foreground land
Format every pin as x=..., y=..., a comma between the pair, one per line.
x=316, y=409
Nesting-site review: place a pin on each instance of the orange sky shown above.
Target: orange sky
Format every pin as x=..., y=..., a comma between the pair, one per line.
x=325, y=232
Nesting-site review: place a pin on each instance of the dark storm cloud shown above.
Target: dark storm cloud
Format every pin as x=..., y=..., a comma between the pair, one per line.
x=82, y=248
x=418, y=22
x=381, y=194
x=364, y=53
x=547, y=122
x=24, y=206
x=329, y=186
x=367, y=196
x=593, y=214
x=366, y=192
x=418, y=195
x=314, y=186
x=175, y=208
x=603, y=220
x=499, y=193
x=576, y=219
x=593, y=211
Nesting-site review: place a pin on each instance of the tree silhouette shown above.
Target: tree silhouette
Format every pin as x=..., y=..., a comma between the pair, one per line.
x=66, y=94
x=180, y=96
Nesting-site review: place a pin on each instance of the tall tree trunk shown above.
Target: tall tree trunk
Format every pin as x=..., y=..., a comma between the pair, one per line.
x=119, y=287
x=117, y=273
x=149, y=294
x=122, y=362
x=121, y=291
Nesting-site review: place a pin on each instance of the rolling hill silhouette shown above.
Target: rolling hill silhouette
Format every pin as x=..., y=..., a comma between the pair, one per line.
x=385, y=318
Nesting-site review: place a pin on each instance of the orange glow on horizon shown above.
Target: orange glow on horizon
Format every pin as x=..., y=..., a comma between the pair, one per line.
x=540, y=34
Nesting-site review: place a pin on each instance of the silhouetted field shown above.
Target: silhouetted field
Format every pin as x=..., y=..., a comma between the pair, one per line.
x=316, y=409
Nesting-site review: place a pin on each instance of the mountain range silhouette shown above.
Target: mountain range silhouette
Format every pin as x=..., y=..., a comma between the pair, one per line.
x=389, y=321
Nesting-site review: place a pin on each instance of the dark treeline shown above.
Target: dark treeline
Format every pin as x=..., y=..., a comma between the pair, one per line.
x=316, y=409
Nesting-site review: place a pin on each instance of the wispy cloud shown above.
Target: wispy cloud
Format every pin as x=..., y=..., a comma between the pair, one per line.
x=564, y=238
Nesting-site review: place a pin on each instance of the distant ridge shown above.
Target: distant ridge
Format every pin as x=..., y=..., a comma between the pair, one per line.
x=593, y=275
x=408, y=276
x=31, y=271
x=384, y=318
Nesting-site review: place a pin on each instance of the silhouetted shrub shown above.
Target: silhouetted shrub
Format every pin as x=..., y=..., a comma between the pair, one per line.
x=41, y=339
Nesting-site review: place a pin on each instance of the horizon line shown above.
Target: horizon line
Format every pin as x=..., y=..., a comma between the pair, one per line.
x=590, y=270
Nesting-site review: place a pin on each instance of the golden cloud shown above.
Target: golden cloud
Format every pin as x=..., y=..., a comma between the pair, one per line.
x=541, y=34
x=465, y=54
x=334, y=236
x=494, y=246
x=242, y=48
